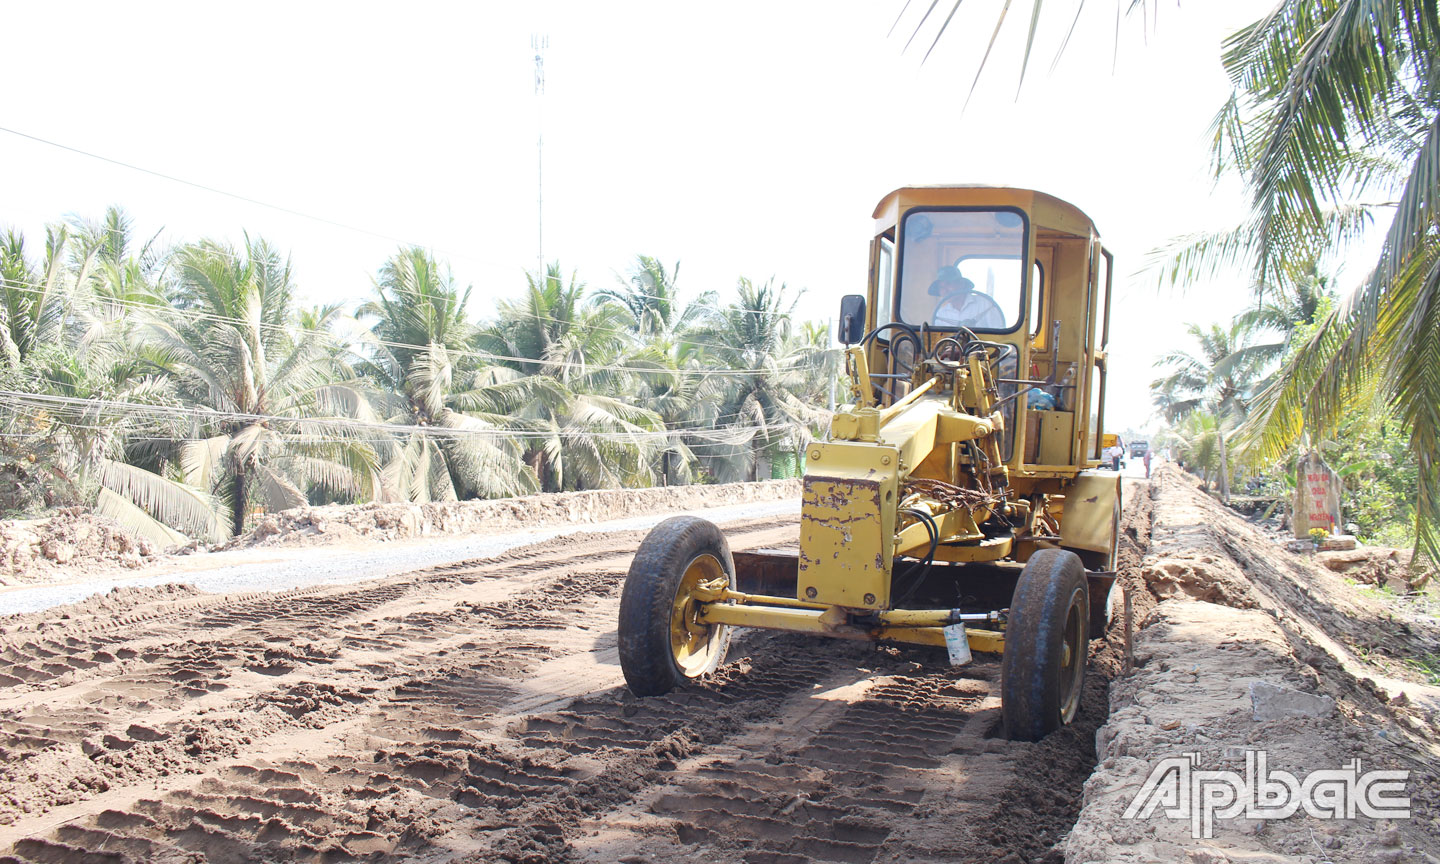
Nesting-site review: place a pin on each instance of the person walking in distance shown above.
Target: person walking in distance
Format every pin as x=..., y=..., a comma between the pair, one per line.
x=1147, y=464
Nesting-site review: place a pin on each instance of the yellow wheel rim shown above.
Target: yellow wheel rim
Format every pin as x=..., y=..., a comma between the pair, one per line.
x=1072, y=664
x=692, y=643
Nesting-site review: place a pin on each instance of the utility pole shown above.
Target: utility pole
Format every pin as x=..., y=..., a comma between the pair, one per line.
x=539, y=44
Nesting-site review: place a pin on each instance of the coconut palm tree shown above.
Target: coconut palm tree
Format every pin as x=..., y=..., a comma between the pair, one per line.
x=1217, y=381
x=676, y=384
x=680, y=386
x=90, y=386
x=585, y=433
x=1196, y=440
x=767, y=375
x=34, y=299
x=1288, y=309
x=1334, y=125
x=652, y=302
x=429, y=381
x=278, y=406
x=120, y=288
x=103, y=423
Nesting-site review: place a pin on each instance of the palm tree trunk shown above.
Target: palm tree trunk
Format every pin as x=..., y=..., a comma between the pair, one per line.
x=537, y=464
x=237, y=507
x=1224, y=470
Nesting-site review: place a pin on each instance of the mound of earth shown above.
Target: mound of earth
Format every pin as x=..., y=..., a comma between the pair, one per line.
x=72, y=541
x=1251, y=650
x=335, y=523
x=1372, y=565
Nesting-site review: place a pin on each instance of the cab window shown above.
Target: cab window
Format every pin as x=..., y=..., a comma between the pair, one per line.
x=1037, y=303
x=884, y=281
x=962, y=268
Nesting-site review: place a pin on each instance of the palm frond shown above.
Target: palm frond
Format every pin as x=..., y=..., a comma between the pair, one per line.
x=131, y=516
x=180, y=506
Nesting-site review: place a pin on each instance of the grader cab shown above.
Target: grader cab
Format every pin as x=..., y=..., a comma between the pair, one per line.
x=955, y=501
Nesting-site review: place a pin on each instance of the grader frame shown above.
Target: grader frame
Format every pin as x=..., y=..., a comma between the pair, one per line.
x=955, y=502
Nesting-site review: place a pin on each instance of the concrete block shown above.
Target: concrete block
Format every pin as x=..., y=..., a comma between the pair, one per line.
x=1337, y=543
x=1274, y=702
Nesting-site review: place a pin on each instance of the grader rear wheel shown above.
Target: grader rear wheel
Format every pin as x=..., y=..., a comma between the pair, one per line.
x=1043, y=671
x=662, y=643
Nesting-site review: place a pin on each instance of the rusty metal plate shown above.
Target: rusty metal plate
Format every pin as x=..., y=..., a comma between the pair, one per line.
x=842, y=542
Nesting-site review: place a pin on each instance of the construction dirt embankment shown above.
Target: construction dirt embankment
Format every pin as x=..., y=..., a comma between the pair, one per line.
x=75, y=541
x=1243, y=648
x=475, y=712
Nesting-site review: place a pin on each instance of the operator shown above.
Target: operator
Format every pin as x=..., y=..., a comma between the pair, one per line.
x=960, y=305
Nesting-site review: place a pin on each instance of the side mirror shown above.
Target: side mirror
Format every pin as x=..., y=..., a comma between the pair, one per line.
x=852, y=319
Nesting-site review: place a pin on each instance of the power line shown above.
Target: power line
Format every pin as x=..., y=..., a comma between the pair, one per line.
x=211, y=189
x=541, y=270
x=196, y=314
x=90, y=406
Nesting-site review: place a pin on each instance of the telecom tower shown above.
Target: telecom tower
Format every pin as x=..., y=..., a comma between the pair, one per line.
x=539, y=44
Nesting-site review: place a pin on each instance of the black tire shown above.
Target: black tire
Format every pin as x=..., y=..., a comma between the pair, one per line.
x=1040, y=691
x=652, y=661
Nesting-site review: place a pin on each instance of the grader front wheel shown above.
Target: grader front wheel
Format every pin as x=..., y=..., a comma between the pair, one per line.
x=661, y=640
x=1043, y=671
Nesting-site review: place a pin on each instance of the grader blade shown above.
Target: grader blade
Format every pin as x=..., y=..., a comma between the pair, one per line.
x=769, y=572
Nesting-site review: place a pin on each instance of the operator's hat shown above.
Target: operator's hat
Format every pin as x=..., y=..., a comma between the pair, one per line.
x=948, y=281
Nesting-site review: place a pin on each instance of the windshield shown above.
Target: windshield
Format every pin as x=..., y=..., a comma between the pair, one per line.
x=962, y=268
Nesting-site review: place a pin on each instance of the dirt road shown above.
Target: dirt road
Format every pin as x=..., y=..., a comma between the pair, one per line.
x=474, y=712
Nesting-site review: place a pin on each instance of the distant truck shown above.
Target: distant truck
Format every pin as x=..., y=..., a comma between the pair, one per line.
x=1139, y=448
x=1112, y=443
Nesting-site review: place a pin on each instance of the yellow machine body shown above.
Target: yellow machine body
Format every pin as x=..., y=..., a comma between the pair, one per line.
x=973, y=434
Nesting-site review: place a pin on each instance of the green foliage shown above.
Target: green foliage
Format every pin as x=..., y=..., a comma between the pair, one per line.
x=1335, y=124
x=1370, y=448
x=1428, y=666
x=1214, y=386
x=184, y=390
x=420, y=375
x=772, y=404
x=1373, y=457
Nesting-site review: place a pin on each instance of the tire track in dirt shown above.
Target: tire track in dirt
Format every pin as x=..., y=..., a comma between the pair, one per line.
x=221, y=677
x=64, y=643
x=473, y=712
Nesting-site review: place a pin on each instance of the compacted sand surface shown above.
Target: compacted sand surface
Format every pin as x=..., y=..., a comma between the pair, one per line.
x=475, y=712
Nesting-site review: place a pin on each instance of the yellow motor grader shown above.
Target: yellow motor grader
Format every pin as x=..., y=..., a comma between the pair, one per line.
x=955, y=503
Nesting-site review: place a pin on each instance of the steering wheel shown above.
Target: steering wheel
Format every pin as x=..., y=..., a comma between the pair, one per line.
x=901, y=369
x=962, y=298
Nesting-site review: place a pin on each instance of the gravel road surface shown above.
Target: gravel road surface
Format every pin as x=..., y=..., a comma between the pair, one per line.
x=282, y=568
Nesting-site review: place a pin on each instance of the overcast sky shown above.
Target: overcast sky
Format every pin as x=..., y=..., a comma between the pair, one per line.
x=738, y=138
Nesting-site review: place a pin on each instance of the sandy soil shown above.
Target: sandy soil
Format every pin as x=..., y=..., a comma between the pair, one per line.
x=73, y=540
x=342, y=523
x=1226, y=608
x=281, y=567
x=473, y=712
